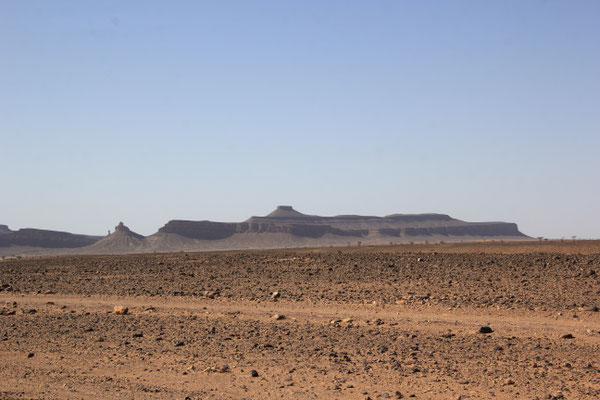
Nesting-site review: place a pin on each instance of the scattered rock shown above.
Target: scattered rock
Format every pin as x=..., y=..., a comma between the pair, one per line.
x=224, y=368
x=485, y=329
x=137, y=335
x=6, y=287
x=567, y=336
x=121, y=310
x=210, y=294
x=278, y=317
x=30, y=355
x=254, y=373
x=509, y=382
x=590, y=309
x=275, y=295
x=178, y=343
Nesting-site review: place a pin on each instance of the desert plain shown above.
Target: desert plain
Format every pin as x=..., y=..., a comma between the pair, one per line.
x=446, y=321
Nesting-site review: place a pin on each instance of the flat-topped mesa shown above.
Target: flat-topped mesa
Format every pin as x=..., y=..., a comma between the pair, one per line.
x=418, y=217
x=286, y=212
x=284, y=227
x=4, y=229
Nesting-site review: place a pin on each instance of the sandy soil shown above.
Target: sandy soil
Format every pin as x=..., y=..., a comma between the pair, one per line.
x=371, y=322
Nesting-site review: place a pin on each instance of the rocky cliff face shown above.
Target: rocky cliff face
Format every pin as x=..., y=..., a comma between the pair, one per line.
x=203, y=230
x=284, y=227
x=491, y=230
x=286, y=220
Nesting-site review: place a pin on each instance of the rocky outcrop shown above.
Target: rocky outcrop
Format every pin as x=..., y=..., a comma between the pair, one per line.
x=122, y=240
x=410, y=218
x=207, y=230
x=284, y=227
x=46, y=239
x=483, y=229
x=4, y=229
x=286, y=220
x=286, y=212
x=491, y=229
x=122, y=230
x=202, y=230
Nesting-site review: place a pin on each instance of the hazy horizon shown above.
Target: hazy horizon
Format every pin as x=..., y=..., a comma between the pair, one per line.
x=144, y=112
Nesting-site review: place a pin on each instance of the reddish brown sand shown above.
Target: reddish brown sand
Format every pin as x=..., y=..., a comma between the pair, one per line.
x=356, y=323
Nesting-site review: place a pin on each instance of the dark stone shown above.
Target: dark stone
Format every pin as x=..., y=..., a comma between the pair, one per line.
x=485, y=329
x=567, y=336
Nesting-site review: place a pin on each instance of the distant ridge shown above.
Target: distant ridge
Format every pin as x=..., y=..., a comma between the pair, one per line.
x=45, y=239
x=283, y=227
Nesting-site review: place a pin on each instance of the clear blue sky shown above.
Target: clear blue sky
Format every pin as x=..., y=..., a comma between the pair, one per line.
x=146, y=111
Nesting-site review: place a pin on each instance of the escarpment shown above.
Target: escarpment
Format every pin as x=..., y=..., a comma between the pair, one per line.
x=283, y=227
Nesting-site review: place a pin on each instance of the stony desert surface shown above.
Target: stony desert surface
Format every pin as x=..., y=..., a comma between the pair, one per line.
x=445, y=321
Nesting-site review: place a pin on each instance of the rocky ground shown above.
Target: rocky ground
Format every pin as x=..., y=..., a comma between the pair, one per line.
x=370, y=322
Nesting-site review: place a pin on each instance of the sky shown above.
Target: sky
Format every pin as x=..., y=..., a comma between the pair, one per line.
x=147, y=111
